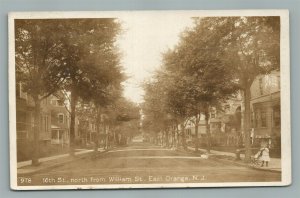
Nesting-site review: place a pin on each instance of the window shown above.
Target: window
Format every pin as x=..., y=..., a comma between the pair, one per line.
x=46, y=123
x=61, y=118
x=213, y=115
x=227, y=108
x=19, y=91
x=54, y=134
x=278, y=82
x=189, y=132
x=53, y=102
x=60, y=134
x=21, y=121
x=261, y=88
x=276, y=117
x=252, y=120
x=257, y=118
x=45, y=101
x=60, y=102
x=57, y=102
x=263, y=119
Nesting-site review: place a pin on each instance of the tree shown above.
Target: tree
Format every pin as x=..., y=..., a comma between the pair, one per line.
x=153, y=109
x=39, y=59
x=201, y=78
x=165, y=101
x=123, y=118
x=250, y=46
x=86, y=115
x=92, y=63
x=105, y=91
x=242, y=47
x=80, y=57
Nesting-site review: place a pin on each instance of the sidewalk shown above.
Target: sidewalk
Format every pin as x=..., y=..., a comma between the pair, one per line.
x=274, y=164
x=25, y=167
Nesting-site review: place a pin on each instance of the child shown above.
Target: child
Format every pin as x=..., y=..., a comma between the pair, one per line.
x=264, y=155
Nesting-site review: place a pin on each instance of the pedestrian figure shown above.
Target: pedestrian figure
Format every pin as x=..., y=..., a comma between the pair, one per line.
x=264, y=155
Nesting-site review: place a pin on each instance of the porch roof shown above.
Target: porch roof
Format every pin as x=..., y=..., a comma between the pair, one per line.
x=55, y=127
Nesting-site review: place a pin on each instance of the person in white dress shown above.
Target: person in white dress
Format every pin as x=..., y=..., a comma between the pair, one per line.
x=265, y=155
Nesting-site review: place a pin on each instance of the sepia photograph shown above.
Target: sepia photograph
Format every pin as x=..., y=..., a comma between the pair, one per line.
x=149, y=99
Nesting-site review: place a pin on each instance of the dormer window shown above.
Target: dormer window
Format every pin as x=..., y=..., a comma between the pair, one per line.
x=60, y=102
x=57, y=102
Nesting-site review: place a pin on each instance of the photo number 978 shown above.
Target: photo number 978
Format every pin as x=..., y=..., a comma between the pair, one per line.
x=25, y=180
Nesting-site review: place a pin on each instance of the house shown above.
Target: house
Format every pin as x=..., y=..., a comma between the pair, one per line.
x=54, y=123
x=86, y=131
x=25, y=124
x=265, y=108
x=190, y=128
x=60, y=119
x=226, y=123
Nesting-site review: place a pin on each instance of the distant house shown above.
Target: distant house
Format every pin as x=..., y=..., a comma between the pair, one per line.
x=86, y=131
x=190, y=128
x=60, y=120
x=227, y=121
x=224, y=123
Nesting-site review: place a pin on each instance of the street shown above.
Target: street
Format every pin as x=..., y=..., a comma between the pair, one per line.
x=141, y=163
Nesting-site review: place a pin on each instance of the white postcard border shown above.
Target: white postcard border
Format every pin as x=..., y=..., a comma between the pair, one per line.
x=285, y=92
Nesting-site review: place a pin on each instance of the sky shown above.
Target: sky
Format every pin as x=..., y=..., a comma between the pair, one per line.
x=142, y=42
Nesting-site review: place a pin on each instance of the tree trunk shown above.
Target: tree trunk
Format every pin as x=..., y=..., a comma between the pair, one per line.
x=183, y=136
x=247, y=120
x=177, y=137
x=196, y=133
x=36, y=134
x=106, y=137
x=173, y=138
x=114, y=137
x=74, y=98
x=96, y=145
x=167, y=138
x=97, y=131
x=208, y=135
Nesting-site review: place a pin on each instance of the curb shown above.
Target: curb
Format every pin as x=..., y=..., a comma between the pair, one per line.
x=199, y=152
x=232, y=161
x=246, y=165
x=58, y=164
